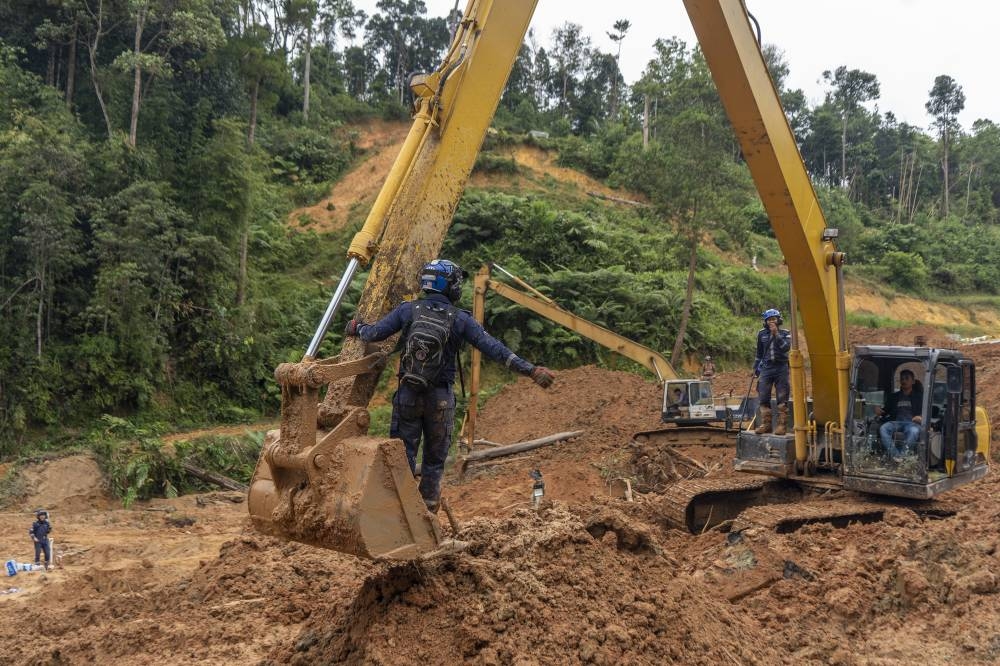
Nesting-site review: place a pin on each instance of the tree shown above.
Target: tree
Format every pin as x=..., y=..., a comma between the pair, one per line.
x=946, y=101
x=981, y=151
x=851, y=88
x=688, y=170
x=96, y=27
x=405, y=41
x=620, y=29
x=570, y=50
x=334, y=16
x=178, y=24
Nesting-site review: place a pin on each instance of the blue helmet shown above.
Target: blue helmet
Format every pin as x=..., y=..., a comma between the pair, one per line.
x=772, y=312
x=443, y=277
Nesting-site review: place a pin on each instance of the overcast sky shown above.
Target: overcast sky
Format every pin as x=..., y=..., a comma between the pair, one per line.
x=905, y=43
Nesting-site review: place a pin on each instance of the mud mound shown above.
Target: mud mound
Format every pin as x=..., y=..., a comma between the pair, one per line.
x=74, y=483
x=554, y=586
x=608, y=406
x=582, y=398
x=148, y=613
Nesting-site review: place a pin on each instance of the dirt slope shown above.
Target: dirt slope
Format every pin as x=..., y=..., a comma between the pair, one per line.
x=588, y=578
x=352, y=196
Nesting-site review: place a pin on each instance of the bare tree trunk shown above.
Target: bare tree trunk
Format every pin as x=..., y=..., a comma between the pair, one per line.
x=900, y=188
x=656, y=113
x=305, y=77
x=946, y=185
x=137, y=79
x=92, y=54
x=50, y=71
x=910, y=202
x=675, y=356
x=645, y=122
x=916, y=189
x=968, y=188
x=252, y=131
x=843, y=151
x=71, y=68
x=241, y=281
x=39, y=315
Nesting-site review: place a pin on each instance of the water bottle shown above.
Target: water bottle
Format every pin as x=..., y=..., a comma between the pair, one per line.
x=11, y=568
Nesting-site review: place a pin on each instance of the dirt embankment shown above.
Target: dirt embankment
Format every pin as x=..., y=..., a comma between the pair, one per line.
x=352, y=196
x=588, y=578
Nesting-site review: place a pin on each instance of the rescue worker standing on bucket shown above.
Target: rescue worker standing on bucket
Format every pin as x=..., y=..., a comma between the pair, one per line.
x=771, y=365
x=433, y=332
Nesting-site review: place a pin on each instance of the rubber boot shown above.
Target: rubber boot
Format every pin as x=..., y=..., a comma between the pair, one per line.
x=765, y=421
x=779, y=428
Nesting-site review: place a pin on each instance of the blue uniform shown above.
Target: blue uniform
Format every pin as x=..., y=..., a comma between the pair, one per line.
x=431, y=413
x=772, y=364
x=39, y=532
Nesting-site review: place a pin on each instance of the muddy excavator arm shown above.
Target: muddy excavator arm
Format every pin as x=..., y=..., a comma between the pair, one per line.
x=320, y=479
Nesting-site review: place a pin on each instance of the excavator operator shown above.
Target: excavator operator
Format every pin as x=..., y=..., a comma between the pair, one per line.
x=433, y=332
x=771, y=365
x=902, y=414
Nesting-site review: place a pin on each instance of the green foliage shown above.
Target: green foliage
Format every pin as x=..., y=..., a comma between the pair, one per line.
x=496, y=164
x=135, y=463
x=306, y=154
x=234, y=457
x=905, y=270
x=140, y=467
x=873, y=321
x=12, y=486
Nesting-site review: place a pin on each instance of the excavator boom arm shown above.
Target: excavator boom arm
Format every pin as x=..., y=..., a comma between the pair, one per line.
x=768, y=144
x=644, y=356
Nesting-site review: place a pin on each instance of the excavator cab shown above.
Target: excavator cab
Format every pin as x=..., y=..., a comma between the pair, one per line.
x=946, y=442
x=688, y=401
x=691, y=402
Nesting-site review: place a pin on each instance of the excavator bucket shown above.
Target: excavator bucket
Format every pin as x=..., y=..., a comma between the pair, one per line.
x=339, y=488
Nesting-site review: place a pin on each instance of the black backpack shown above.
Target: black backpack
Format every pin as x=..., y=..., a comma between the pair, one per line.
x=423, y=354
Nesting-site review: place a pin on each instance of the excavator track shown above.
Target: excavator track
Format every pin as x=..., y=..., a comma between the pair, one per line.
x=702, y=435
x=785, y=518
x=696, y=505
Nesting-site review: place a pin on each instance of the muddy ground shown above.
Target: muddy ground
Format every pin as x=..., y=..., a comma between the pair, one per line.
x=587, y=578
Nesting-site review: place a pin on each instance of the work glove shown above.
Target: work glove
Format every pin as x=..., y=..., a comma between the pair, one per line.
x=351, y=330
x=542, y=376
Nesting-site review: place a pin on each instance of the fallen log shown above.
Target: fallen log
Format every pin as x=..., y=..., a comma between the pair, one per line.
x=211, y=477
x=630, y=202
x=510, y=449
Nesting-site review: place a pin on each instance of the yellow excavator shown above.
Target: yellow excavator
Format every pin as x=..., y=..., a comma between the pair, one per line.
x=837, y=441
x=322, y=480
